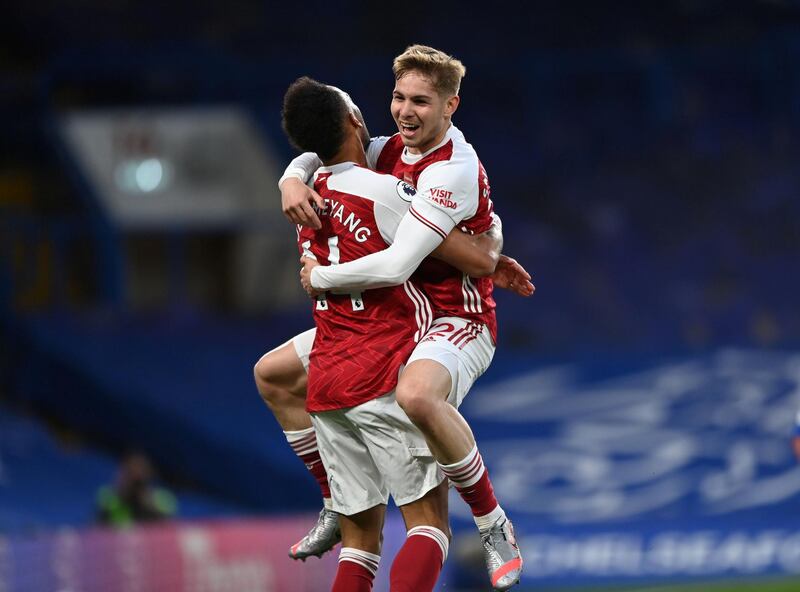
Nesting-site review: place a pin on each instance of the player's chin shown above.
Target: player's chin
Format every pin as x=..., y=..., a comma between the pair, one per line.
x=410, y=138
x=409, y=141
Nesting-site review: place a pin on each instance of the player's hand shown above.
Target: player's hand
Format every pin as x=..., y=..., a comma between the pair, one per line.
x=796, y=446
x=510, y=275
x=305, y=276
x=296, y=200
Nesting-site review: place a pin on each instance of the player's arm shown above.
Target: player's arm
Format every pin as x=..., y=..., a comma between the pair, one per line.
x=414, y=240
x=422, y=229
x=297, y=197
x=476, y=255
x=480, y=256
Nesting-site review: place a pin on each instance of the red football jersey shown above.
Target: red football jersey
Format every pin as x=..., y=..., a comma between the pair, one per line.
x=363, y=339
x=468, y=202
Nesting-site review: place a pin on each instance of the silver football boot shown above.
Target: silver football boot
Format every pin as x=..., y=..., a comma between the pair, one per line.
x=503, y=559
x=323, y=537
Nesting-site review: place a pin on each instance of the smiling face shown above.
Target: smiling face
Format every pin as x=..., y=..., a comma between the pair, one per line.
x=422, y=115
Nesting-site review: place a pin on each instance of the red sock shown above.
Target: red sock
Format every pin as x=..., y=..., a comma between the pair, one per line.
x=304, y=444
x=417, y=565
x=472, y=482
x=356, y=571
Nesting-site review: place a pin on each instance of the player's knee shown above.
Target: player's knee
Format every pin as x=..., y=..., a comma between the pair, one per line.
x=261, y=371
x=265, y=373
x=415, y=401
x=281, y=380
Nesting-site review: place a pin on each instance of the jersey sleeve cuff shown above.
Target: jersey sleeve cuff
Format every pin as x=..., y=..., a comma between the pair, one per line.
x=318, y=280
x=432, y=217
x=291, y=174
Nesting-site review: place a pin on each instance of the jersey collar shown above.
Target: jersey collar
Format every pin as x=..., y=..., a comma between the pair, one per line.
x=409, y=158
x=336, y=168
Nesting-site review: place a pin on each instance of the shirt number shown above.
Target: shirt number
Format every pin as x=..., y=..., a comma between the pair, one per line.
x=356, y=301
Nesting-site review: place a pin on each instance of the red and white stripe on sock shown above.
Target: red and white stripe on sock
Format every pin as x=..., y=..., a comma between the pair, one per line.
x=418, y=563
x=356, y=570
x=304, y=444
x=471, y=479
x=432, y=533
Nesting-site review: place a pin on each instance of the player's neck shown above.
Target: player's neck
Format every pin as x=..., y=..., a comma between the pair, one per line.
x=351, y=151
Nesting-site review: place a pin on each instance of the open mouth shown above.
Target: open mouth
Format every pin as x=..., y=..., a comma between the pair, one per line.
x=408, y=129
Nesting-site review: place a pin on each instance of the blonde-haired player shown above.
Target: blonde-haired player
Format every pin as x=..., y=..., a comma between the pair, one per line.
x=452, y=192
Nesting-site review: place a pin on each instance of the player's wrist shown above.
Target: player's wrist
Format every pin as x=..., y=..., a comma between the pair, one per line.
x=315, y=278
x=289, y=175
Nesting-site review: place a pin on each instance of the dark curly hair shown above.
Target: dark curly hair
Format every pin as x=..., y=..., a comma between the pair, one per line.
x=313, y=117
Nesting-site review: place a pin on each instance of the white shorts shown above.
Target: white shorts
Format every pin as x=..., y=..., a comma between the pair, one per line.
x=303, y=344
x=371, y=451
x=464, y=347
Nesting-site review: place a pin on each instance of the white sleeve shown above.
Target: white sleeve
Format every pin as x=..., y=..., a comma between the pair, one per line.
x=374, y=150
x=413, y=242
x=302, y=167
x=447, y=193
x=497, y=223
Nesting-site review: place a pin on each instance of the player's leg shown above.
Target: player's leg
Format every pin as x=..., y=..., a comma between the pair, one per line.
x=432, y=384
x=440, y=371
x=358, y=494
x=418, y=563
x=281, y=380
x=281, y=377
x=417, y=485
x=361, y=550
x=422, y=393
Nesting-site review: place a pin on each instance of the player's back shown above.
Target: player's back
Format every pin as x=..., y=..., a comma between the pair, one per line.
x=452, y=292
x=362, y=338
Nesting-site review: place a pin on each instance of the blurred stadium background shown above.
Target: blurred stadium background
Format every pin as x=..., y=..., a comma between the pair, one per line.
x=637, y=418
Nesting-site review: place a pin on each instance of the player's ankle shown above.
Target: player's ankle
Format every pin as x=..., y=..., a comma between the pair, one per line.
x=486, y=521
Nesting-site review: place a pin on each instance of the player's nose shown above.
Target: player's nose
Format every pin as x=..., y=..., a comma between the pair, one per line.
x=406, y=109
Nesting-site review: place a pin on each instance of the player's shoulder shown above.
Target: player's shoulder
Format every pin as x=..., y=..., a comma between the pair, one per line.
x=462, y=150
x=455, y=154
x=457, y=162
x=384, y=149
x=393, y=141
x=355, y=175
x=383, y=145
x=367, y=184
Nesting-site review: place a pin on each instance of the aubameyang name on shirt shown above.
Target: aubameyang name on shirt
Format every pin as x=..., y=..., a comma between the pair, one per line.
x=336, y=210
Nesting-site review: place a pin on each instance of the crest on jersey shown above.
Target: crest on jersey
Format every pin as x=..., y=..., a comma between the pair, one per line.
x=405, y=191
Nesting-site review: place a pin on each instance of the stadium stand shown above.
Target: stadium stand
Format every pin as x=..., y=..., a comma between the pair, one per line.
x=45, y=484
x=644, y=163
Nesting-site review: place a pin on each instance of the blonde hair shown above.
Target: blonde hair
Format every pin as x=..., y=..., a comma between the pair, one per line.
x=444, y=70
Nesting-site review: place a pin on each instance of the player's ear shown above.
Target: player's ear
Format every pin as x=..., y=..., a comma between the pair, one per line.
x=451, y=104
x=355, y=121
